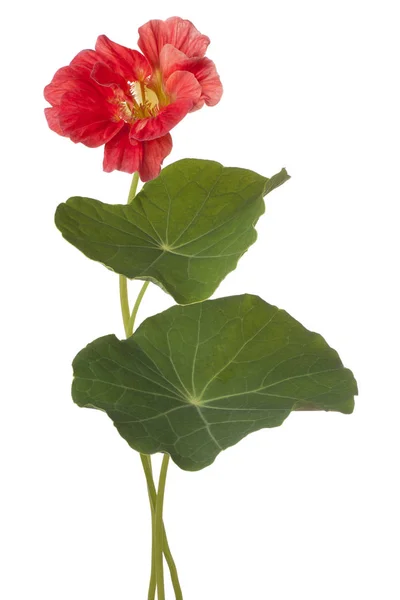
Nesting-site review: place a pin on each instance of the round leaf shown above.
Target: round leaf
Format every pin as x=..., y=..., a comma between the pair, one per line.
x=196, y=379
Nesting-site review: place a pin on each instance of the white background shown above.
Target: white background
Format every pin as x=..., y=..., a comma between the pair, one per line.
x=308, y=511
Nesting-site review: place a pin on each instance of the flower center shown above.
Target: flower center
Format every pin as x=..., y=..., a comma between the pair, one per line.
x=142, y=104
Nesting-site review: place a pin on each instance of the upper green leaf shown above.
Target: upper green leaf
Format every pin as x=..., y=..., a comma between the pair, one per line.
x=185, y=230
x=196, y=379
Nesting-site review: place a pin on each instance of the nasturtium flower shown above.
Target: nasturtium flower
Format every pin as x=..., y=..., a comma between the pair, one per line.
x=129, y=101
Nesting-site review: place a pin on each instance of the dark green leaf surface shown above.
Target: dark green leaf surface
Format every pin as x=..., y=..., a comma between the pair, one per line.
x=185, y=230
x=196, y=379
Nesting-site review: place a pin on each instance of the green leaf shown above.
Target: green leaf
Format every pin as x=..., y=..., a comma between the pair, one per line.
x=185, y=230
x=194, y=380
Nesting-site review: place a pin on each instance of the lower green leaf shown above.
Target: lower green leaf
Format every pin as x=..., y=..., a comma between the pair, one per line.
x=196, y=379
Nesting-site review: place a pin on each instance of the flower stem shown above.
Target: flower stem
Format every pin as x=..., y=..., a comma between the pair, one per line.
x=148, y=471
x=133, y=188
x=159, y=533
x=123, y=297
x=129, y=324
x=146, y=462
x=132, y=318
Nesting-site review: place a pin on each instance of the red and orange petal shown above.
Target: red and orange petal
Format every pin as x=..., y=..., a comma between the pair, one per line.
x=53, y=119
x=153, y=154
x=184, y=91
x=206, y=74
x=182, y=34
x=154, y=127
x=85, y=117
x=121, y=154
x=84, y=62
x=203, y=69
x=130, y=64
x=104, y=75
x=65, y=79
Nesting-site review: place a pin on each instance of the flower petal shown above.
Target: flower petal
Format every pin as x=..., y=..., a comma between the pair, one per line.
x=53, y=119
x=171, y=60
x=184, y=91
x=176, y=31
x=85, y=116
x=182, y=84
x=130, y=64
x=153, y=155
x=154, y=127
x=84, y=62
x=122, y=155
x=68, y=79
x=62, y=82
x=203, y=69
x=104, y=75
x=206, y=74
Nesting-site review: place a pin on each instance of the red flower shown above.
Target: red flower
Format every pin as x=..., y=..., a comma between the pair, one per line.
x=130, y=101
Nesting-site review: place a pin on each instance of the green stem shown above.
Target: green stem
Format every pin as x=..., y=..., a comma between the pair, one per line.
x=124, y=300
x=148, y=471
x=159, y=535
x=146, y=462
x=127, y=317
x=153, y=576
x=132, y=318
x=129, y=324
x=133, y=188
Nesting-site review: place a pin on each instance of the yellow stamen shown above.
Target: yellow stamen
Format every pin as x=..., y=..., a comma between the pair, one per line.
x=143, y=103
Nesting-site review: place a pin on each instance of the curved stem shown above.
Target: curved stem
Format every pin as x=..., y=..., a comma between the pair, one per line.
x=123, y=282
x=132, y=318
x=133, y=188
x=146, y=462
x=148, y=471
x=159, y=536
x=129, y=324
x=153, y=575
x=124, y=300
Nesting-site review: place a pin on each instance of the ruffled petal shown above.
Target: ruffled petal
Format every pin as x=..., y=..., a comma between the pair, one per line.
x=153, y=154
x=176, y=31
x=130, y=64
x=172, y=60
x=206, y=74
x=154, y=127
x=104, y=75
x=203, y=69
x=69, y=79
x=86, y=117
x=183, y=85
x=184, y=91
x=122, y=155
x=53, y=119
x=63, y=81
x=84, y=62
